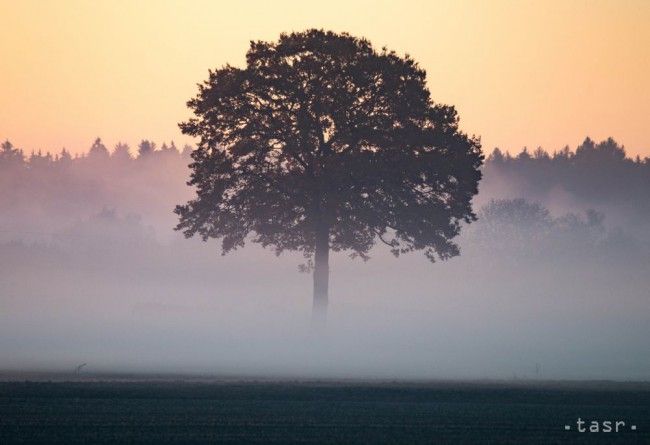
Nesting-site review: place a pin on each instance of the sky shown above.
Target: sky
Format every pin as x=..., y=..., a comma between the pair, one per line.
x=521, y=73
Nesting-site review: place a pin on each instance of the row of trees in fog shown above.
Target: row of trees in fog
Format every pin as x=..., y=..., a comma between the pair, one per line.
x=51, y=192
x=43, y=193
x=594, y=173
x=597, y=169
x=13, y=157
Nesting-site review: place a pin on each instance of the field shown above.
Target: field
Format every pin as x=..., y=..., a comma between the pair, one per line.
x=230, y=411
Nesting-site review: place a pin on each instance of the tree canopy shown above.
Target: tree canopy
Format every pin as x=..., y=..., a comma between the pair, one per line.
x=322, y=134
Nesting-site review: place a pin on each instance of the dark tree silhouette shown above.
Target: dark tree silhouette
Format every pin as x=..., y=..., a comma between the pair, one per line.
x=597, y=174
x=146, y=148
x=64, y=158
x=98, y=151
x=323, y=143
x=10, y=156
x=519, y=221
x=121, y=153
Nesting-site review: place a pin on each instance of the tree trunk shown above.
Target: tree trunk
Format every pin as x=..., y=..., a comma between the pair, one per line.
x=321, y=274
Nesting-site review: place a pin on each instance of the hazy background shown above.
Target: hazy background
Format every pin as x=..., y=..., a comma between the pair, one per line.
x=521, y=73
x=553, y=280
x=555, y=286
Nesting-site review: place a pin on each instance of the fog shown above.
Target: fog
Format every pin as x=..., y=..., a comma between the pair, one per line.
x=552, y=281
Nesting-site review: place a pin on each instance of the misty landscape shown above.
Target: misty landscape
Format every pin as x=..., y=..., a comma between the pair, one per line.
x=342, y=222
x=552, y=280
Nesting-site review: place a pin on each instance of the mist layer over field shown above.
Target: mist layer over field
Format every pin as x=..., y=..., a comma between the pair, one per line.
x=552, y=281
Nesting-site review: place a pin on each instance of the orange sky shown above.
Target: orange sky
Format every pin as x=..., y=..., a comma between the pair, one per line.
x=520, y=72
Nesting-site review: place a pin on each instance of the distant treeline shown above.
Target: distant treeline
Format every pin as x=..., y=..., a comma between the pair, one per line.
x=46, y=193
x=43, y=190
x=594, y=170
x=594, y=174
x=600, y=170
x=12, y=156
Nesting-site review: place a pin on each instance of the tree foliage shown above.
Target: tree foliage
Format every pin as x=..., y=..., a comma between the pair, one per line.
x=322, y=132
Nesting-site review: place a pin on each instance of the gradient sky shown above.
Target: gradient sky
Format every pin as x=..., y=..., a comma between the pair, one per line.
x=521, y=73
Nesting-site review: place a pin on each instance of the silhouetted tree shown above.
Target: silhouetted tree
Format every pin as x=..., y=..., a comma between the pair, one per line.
x=563, y=154
x=169, y=150
x=524, y=156
x=39, y=161
x=98, y=151
x=497, y=156
x=501, y=214
x=541, y=155
x=64, y=157
x=146, y=148
x=323, y=143
x=10, y=156
x=121, y=153
x=516, y=229
x=186, y=153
